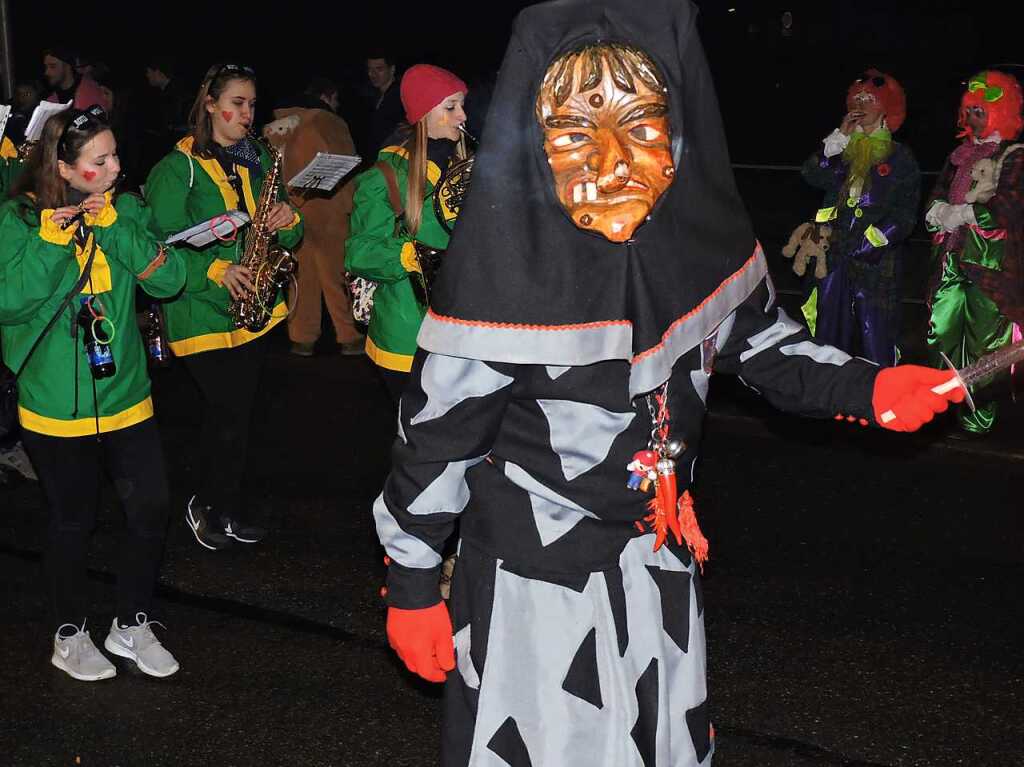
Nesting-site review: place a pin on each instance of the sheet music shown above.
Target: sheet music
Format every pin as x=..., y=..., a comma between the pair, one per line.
x=224, y=226
x=5, y=113
x=44, y=112
x=325, y=171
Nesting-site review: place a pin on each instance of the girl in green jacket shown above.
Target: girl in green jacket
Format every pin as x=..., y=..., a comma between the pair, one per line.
x=382, y=246
x=215, y=169
x=84, y=393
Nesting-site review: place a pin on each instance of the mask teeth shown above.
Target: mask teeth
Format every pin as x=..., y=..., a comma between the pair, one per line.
x=591, y=191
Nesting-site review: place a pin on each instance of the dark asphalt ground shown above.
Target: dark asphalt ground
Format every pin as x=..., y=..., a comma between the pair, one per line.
x=863, y=598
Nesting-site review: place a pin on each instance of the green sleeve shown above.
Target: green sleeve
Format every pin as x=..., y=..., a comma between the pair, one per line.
x=130, y=241
x=167, y=191
x=372, y=251
x=33, y=271
x=291, y=236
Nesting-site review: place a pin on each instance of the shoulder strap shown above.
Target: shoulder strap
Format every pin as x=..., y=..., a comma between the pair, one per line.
x=84, y=278
x=392, y=181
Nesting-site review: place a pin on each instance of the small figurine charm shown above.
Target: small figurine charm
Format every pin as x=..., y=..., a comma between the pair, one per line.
x=642, y=470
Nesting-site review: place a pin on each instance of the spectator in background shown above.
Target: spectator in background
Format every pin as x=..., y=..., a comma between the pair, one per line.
x=124, y=120
x=26, y=98
x=67, y=85
x=173, y=101
x=300, y=130
x=386, y=111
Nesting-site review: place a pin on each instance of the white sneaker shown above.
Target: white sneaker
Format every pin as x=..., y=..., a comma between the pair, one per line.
x=78, y=657
x=16, y=458
x=139, y=643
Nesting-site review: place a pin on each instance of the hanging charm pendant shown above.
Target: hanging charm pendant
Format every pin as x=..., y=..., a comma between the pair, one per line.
x=669, y=513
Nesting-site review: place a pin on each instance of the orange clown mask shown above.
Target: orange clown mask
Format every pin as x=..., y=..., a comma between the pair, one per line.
x=604, y=113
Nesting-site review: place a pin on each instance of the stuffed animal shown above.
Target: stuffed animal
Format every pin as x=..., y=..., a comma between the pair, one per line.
x=809, y=241
x=985, y=178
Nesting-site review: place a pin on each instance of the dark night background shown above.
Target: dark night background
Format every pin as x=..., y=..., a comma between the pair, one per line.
x=781, y=89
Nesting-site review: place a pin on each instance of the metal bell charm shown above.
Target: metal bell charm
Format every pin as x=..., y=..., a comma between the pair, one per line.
x=674, y=448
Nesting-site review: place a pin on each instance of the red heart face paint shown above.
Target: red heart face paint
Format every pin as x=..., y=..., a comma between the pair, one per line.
x=88, y=175
x=228, y=116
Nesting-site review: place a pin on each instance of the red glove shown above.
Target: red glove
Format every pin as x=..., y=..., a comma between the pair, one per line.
x=908, y=396
x=423, y=640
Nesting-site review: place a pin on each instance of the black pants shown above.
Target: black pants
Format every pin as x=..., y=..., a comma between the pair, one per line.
x=228, y=380
x=395, y=383
x=69, y=472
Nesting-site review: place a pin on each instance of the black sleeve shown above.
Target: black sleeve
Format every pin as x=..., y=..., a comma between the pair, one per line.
x=777, y=357
x=447, y=422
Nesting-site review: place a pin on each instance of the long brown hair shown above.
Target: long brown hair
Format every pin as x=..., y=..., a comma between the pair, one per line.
x=416, y=182
x=217, y=79
x=60, y=140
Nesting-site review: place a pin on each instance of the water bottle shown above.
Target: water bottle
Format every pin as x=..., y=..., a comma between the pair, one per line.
x=154, y=338
x=97, y=342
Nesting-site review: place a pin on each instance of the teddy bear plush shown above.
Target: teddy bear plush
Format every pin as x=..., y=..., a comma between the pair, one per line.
x=809, y=241
x=985, y=178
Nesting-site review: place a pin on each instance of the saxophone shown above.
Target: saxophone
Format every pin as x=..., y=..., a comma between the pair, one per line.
x=270, y=264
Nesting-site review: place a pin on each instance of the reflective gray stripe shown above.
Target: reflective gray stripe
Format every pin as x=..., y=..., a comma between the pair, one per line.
x=784, y=327
x=587, y=344
x=407, y=550
x=826, y=355
x=654, y=369
x=448, y=494
x=581, y=345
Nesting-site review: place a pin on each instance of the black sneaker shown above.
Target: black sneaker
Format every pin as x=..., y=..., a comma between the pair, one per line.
x=206, y=532
x=242, y=532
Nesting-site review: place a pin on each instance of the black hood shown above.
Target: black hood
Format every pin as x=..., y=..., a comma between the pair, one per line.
x=522, y=284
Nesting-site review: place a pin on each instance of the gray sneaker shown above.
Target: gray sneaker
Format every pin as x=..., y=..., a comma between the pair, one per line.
x=77, y=656
x=139, y=643
x=16, y=458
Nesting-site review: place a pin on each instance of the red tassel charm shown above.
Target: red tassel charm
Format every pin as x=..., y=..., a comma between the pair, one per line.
x=663, y=517
x=695, y=540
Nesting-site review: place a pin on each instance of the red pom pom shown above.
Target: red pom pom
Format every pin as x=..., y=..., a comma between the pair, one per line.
x=884, y=169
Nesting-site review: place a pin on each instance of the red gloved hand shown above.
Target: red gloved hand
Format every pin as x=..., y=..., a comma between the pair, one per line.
x=905, y=398
x=423, y=640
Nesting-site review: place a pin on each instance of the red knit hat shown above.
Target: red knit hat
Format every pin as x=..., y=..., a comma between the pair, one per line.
x=424, y=87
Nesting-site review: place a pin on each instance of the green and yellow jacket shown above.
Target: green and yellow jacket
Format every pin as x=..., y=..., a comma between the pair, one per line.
x=375, y=251
x=10, y=165
x=184, y=190
x=39, y=264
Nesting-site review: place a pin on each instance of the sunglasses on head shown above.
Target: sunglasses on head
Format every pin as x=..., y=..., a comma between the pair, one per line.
x=236, y=69
x=96, y=115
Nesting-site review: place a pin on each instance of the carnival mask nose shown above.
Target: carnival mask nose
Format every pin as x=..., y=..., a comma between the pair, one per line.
x=607, y=137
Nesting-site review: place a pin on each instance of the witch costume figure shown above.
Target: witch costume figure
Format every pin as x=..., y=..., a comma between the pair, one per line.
x=603, y=269
x=976, y=214
x=872, y=188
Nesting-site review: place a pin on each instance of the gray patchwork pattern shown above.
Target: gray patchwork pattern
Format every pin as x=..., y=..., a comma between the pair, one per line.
x=448, y=494
x=542, y=627
x=401, y=429
x=463, y=660
x=581, y=433
x=447, y=381
x=554, y=372
x=406, y=549
x=553, y=514
x=826, y=355
x=771, y=336
x=772, y=293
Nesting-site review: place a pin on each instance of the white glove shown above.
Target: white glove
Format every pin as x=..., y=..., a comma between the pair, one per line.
x=835, y=142
x=948, y=217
